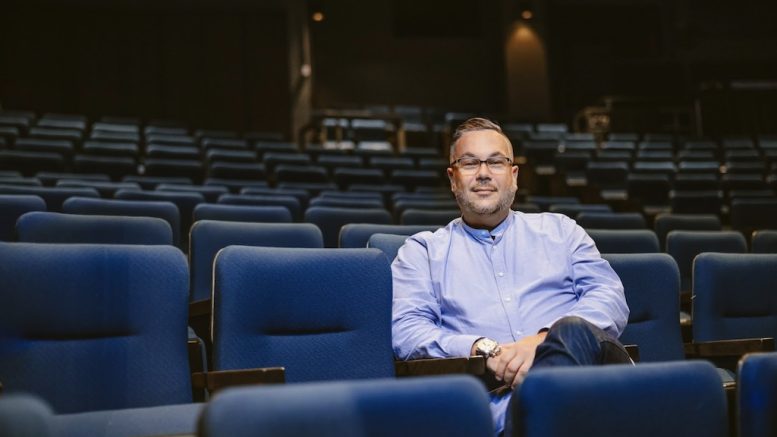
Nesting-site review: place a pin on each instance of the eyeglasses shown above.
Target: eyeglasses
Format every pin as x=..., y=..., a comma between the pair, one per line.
x=470, y=164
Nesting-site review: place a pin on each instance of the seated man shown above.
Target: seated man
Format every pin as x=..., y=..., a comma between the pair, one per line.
x=521, y=289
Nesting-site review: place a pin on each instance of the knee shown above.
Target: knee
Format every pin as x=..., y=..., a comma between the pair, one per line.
x=570, y=325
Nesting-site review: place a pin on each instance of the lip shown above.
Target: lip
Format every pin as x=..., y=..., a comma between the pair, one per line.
x=484, y=190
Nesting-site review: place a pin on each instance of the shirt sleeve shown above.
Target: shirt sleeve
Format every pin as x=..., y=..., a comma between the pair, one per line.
x=416, y=318
x=601, y=299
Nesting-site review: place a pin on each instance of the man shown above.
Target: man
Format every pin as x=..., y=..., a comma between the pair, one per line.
x=522, y=290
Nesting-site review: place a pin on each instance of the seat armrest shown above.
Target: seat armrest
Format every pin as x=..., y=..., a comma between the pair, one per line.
x=200, y=308
x=216, y=380
x=731, y=348
x=474, y=365
x=633, y=351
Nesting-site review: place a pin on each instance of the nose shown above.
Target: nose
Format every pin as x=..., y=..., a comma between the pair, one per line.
x=483, y=171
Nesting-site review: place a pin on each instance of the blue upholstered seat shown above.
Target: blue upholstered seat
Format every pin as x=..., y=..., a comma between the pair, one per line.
x=242, y=213
x=651, y=282
x=624, y=240
x=416, y=407
x=684, y=246
x=303, y=309
x=734, y=296
x=12, y=206
x=94, y=327
x=54, y=227
x=682, y=398
x=210, y=236
x=331, y=219
x=356, y=235
x=164, y=210
x=757, y=399
x=387, y=243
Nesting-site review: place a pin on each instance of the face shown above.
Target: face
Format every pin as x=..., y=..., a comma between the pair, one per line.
x=484, y=196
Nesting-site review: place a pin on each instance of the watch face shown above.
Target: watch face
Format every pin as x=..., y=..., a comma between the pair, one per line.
x=486, y=346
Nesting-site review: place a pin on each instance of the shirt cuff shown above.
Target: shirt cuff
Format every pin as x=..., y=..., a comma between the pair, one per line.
x=461, y=345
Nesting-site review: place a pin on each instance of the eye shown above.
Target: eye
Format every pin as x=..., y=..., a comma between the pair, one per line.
x=469, y=162
x=497, y=162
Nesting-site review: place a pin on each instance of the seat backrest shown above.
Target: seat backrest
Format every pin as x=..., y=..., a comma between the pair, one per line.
x=303, y=309
x=684, y=246
x=164, y=210
x=53, y=196
x=428, y=217
x=210, y=236
x=242, y=213
x=764, y=241
x=12, y=206
x=331, y=219
x=185, y=201
x=387, y=243
x=356, y=235
x=54, y=227
x=290, y=202
x=651, y=282
x=655, y=399
x=734, y=296
x=414, y=407
x=664, y=223
x=624, y=240
x=611, y=220
x=94, y=327
x=756, y=397
x=573, y=210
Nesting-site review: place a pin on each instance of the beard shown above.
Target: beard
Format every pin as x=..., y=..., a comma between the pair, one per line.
x=503, y=202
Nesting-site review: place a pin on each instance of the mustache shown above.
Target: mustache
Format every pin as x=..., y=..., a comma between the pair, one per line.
x=484, y=184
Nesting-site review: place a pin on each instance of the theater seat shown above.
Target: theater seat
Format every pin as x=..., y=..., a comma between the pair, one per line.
x=304, y=310
x=757, y=399
x=418, y=407
x=681, y=398
x=94, y=327
x=53, y=227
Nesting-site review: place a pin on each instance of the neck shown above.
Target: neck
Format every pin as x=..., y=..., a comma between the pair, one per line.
x=487, y=222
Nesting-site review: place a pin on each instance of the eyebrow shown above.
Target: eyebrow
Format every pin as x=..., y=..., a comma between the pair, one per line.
x=472, y=155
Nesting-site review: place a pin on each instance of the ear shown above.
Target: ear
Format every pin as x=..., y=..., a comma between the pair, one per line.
x=514, y=169
x=451, y=179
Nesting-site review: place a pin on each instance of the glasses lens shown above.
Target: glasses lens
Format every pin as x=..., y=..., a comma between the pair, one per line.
x=469, y=164
x=497, y=164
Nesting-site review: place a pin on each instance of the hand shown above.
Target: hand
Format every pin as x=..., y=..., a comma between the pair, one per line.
x=515, y=359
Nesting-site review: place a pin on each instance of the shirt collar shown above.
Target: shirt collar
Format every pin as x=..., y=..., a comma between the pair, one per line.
x=493, y=236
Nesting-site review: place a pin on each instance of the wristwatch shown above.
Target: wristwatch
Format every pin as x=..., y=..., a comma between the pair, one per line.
x=487, y=347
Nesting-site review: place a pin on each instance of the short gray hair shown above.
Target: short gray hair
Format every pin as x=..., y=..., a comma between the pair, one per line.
x=472, y=125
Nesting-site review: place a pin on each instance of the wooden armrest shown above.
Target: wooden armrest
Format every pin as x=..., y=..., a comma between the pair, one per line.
x=195, y=355
x=219, y=379
x=200, y=308
x=732, y=348
x=474, y=365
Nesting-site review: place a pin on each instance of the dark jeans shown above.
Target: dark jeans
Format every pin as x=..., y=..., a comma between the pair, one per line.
x=572, y=341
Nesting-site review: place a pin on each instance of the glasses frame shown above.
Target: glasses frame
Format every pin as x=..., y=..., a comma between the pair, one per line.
x=457, y=164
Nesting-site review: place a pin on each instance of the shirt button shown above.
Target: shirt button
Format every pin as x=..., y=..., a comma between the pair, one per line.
x=500, y=274
x=518, y=332
x=508, y=298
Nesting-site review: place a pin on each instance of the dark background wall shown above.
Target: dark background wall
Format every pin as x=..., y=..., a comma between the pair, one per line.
x=235, y=63
x=210, y=64
x=434, y=53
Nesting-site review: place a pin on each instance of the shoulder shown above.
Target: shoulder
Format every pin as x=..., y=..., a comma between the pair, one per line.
x=546, y=223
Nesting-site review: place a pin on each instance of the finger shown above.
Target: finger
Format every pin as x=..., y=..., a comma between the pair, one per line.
x=513, y=368
x=499, y=363
x=522, y=372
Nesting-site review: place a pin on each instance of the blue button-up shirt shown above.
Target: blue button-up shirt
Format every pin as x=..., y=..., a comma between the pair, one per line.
x=459, y=283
